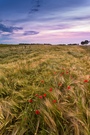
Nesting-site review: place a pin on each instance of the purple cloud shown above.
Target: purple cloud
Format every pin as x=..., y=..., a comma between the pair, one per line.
x=30, y=33
x=61, y=26
x=10, y=29
x=87, y=17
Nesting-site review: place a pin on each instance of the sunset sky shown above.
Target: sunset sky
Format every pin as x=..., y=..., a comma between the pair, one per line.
x=44, y=21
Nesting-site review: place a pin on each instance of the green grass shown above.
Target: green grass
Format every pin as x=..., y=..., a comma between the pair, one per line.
x=44, y=90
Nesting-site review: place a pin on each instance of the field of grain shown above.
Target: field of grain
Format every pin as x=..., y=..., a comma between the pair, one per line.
x=44, y=90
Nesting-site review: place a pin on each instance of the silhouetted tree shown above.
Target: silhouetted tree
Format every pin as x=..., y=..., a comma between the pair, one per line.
x=84, y=42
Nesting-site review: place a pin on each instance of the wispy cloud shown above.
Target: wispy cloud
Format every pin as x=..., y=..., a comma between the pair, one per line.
x=30, y=33
x=10, y=29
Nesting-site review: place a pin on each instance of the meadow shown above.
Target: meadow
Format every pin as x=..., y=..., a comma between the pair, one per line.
x=44, y=90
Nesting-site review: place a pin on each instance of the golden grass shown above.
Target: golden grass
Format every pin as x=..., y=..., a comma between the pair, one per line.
x=54, y=80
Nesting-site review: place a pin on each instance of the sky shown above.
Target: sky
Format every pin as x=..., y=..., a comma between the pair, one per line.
x=44, y=21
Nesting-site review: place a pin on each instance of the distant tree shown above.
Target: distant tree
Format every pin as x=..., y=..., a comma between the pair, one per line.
x=84, y=42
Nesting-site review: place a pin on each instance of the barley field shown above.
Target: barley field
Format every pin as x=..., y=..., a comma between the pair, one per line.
x=44, y=90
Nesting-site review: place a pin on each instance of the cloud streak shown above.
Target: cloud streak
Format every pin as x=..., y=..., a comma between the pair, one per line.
x=30, y=33
x=11, y=29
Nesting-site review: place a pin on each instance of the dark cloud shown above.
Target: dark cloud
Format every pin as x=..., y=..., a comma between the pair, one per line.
x=35, y=6
x=80, y=18
x=30, y=33
x=15, y=21
x=61, y=26
x=10, y=29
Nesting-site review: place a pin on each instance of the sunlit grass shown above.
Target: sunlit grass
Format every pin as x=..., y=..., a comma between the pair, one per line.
x=44, y=90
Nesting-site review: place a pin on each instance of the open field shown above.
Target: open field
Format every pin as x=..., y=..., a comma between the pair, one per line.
x=44, y=90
